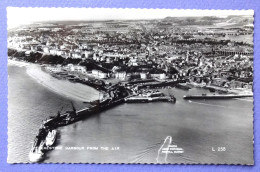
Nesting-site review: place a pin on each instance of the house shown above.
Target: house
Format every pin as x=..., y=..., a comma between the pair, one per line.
x=54, y=68
x=76, y=68
x=99, y=74
x=75, y=55
x=27, y=53
x=81, y=69
x=53, y=51
x=162, y=76
x=60, y=52
x=121, y=75
x=143, y=75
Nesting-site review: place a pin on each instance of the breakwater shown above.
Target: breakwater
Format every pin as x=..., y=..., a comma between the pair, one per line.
x=160, y=84
x=39, y=147
x=216, y=96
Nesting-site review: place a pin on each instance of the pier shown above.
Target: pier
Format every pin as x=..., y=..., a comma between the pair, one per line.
x=204, y=96
x=158, y=84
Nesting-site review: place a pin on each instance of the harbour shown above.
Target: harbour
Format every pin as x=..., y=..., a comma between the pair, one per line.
x=173, y=119
x=116, y=95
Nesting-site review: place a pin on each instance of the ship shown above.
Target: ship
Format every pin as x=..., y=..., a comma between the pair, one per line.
x=219, y=96
x=51, y=137
x=36, y=153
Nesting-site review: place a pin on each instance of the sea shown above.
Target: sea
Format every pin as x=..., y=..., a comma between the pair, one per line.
x=207, y=131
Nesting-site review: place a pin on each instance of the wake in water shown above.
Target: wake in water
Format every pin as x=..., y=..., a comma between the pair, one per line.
x=169, y=147
x=140, y=156
x=163, y=149
x=247, y=100
x=207, y=104
x=165, y=146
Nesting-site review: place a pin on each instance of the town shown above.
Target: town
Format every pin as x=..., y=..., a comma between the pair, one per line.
x=108, y=52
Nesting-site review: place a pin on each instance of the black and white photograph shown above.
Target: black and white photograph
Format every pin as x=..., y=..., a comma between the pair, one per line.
x=132, y=86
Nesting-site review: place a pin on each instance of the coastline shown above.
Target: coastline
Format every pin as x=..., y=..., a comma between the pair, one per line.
x=75, y=91
x=127, y=115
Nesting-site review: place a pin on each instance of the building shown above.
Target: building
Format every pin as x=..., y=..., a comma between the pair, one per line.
x=76, y=68
x=99, y=74
x=120, y=75
x=54, y=68
x=27, y=53
x=75, y=55
x=162, y=76
x=143, y=75
x=53, y=51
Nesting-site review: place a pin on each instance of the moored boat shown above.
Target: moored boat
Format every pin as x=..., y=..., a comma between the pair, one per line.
x=51, y=137
x=35, y=156
x=36, y=153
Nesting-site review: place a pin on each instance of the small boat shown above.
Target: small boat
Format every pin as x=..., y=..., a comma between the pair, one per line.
x=51, y=137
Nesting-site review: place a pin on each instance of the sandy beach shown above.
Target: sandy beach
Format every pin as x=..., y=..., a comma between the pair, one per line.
x=75, y=91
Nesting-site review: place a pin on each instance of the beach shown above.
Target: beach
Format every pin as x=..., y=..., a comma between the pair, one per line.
x=75, y=91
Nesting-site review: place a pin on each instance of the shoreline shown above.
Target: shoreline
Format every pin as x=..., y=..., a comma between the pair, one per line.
x=75, y=91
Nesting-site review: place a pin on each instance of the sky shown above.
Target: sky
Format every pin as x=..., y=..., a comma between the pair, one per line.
x=17, y=16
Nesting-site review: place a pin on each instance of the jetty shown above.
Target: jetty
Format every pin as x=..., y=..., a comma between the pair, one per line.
x=150, y=97
x=227, y=96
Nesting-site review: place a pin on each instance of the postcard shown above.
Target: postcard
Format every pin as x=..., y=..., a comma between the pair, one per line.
x=133, y=86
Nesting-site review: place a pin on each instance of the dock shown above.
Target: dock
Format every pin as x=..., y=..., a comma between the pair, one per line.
x=140, y=99
x=227, y=96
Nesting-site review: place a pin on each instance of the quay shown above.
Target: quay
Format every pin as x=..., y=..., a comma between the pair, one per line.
x=161, y=84
x=204, y=96
x=138, y=99
x=147, y=97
